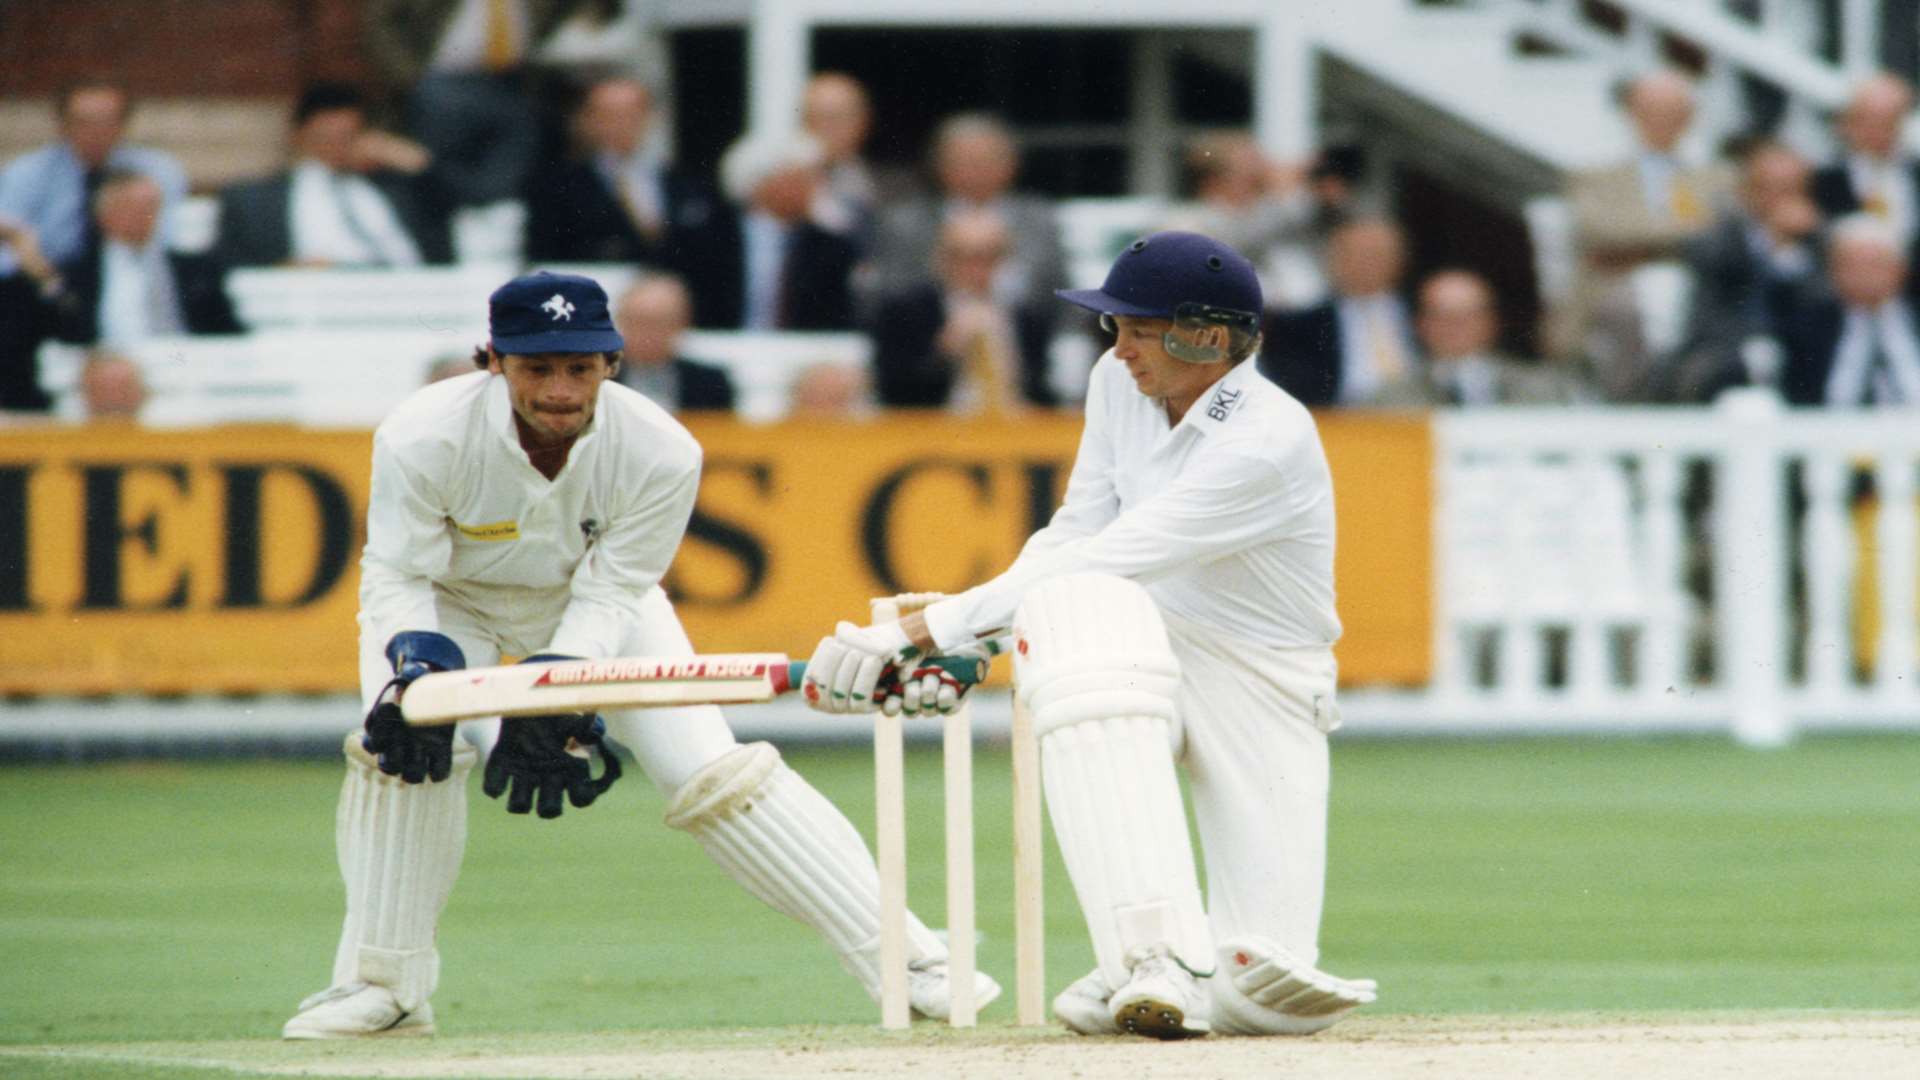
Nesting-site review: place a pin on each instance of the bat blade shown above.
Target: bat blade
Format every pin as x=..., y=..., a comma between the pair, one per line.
x=564, y=686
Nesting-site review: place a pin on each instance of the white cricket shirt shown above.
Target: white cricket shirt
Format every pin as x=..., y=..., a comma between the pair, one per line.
x=457, y=506
x=1226, y=517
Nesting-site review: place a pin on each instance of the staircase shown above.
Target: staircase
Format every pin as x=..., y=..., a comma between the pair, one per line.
x=1504, y=96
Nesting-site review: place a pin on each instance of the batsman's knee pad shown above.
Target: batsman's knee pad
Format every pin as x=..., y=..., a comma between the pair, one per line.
x=1092, y=647
x=400, y=847
x=787, y=845
x=1094, y=669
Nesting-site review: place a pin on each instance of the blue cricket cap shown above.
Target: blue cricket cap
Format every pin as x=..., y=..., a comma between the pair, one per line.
x=551, y=313
x=1158, y=274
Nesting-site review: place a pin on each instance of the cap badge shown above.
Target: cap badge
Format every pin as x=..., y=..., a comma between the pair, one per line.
x=558, y=308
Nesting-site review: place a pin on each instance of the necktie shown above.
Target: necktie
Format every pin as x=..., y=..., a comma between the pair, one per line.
x=1684, y=202
x=376, y=254
x=1876, y=201
x=163, y=299
x=1384, y=352
x=89, y=232
x=501, y=53
x=1881, y=387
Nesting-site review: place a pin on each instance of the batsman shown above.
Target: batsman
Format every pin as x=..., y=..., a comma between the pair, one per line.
x=1178, y=607
x=530, y=508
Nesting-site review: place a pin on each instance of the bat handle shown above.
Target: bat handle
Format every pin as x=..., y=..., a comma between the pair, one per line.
x=965, y=670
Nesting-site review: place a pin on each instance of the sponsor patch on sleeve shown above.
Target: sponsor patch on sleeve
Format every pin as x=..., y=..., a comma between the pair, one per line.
x=487, y=534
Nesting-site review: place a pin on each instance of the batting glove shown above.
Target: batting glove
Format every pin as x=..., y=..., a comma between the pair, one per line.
x=928, y=689
x=846, y=668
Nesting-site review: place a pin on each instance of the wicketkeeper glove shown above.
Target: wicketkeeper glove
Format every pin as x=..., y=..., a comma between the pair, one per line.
x=414, y=754
x=542, y=757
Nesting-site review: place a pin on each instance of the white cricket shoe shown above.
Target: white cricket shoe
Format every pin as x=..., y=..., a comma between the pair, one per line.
x=1082, y=1006
x=354, y=1011
x=1262, y=989
x=1162, y=999
x=930, y=990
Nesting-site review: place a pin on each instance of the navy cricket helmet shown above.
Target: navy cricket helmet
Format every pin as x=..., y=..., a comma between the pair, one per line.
x=1189, y=278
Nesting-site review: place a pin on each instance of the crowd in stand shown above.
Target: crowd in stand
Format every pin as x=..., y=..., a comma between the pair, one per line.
x=1689, y=277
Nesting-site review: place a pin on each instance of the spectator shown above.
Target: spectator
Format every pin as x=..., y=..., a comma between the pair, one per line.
x=829, y=391
x=51, y=189
x=27, y=318
x=1459, y=326
x=975, y=163
x=1262, y=210
x=952, y=342
x=461, y=67
x=619, y=202
x=112, y=388
x=783, y=272
x=1859, y=346
x=652, y=315
x=127, y=287
x=1353, y=347
x=1744, y=270
x=1875, y=174
x=836, y=111
x=1638, y=211
x=352, y=197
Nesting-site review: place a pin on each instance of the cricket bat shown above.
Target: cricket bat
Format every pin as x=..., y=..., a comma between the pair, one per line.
x=622, y=682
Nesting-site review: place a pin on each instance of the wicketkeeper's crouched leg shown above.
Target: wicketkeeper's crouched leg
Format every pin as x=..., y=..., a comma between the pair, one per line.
x=400, y=847
x=787, y=845
x=770, y=830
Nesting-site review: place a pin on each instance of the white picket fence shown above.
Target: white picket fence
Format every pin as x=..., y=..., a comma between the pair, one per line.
x=1629, y=570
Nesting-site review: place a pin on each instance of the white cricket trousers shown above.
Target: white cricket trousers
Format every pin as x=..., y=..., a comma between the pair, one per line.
x=670, y=744
x=1255, y=721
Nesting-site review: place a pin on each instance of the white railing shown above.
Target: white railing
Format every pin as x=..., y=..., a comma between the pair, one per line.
x=1644, y=569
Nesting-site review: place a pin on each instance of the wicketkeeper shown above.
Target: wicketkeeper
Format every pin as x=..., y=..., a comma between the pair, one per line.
x=530, y=508
x=1178, y=607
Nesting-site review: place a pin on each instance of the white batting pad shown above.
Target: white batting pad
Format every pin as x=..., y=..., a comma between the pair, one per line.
x=1091, y=661
x=795, y=851
x=399, y=846
x=1262, y=989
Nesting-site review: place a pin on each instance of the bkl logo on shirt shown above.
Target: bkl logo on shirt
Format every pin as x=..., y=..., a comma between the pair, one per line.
x=558, y=308
x=1223, y=402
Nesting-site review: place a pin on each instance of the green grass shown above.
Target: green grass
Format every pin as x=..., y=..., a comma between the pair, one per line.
x=200, y=901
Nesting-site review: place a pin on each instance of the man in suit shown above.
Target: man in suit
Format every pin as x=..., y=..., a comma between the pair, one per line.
x=619, y=202
x=954, y=342
x=1358, y=343
x=1459, y=328
x=768, y=266
x=1639, y=211
x=51, y=189
x=1859, y=346
x=975, y=163
x=127, y=287
x=461, y=67
x=1875, y=175
x=352, y=197
x=1752, y=261
x=836, y=111
x=652, y=315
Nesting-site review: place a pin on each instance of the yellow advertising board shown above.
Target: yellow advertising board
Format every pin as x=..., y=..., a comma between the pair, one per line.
x=225, y=559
